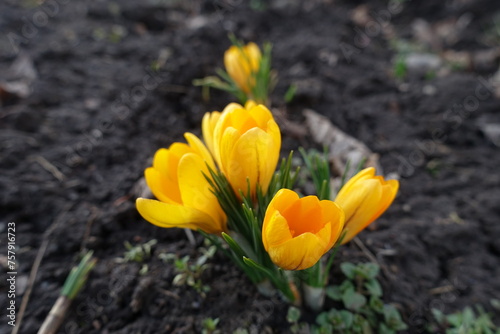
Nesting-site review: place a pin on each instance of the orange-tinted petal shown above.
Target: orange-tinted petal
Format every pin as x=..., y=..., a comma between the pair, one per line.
x=297, y=232
x=333, y=214
x=283, y=199
x=299, y=253
x=364, y=198
x=305, y=215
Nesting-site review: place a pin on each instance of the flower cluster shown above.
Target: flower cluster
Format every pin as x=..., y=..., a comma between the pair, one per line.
x=228, y=188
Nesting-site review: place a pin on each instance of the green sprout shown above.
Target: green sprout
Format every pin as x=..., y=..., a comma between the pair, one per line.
x=138, y=253
x=188, y=272
x=210, y=326
x=319, y=168
x=72, y=286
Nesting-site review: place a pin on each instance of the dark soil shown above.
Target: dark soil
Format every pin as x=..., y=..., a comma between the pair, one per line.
x=96, y=111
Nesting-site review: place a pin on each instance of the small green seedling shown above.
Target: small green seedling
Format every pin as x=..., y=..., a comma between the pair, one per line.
x=189, y=273
x=210, y=326
x=138, y=253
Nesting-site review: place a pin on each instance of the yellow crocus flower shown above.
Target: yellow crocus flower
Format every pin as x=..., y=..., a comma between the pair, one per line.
x=242, y=65
x=364, y=198
x=185, y=199
x=297, y=231
x=245, y=142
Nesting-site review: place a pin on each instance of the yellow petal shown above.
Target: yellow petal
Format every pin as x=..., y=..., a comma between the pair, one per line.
x=240, y=119
x=196, y=191
x=261, y=115
x=361, y=206
x=160, y=160
x=198, y=148
x=364, y=198
x=252, y=158
x=230, y=107
x=283, y=199
x=161, y=179
x=362, y=175
x=250, y=104
x=208, y=126
x=162, y=187
x=275, y=230
x=242, y=64
x=220, y=128
x=326, y=235
x=253, y=54
x=389, y=191
x=175, y=153
x=333, y=214
x=171, y=215
x=225, y=148
x=237, y=68
x=298, y=253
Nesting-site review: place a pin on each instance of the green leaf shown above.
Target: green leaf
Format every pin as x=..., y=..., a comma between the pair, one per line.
x=335, y=319
x=78, y=276
x=347, y=318
x=346, y=285
x=360, y=325
x=383, y=329
x=293, y=314
x=372, y=317
x=373, y=287
x=323, y=319
x=290, y=93
x=319, y=168
x=439, y=316
x=368, y=270
x=324, y=329
x=334, y=292
x=393, y=318
x=455, y=319
x=400, y=68
x=353, y=300
x=349, y=269
x=376, y=304
x=233, y=245
x=278, y=282
x=468, y=316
